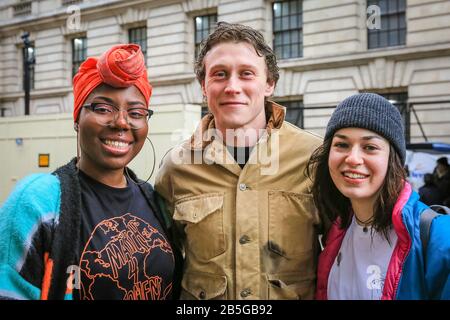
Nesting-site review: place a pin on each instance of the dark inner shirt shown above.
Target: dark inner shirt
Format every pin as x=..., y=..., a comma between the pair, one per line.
x=124, y=252
x=240, y=154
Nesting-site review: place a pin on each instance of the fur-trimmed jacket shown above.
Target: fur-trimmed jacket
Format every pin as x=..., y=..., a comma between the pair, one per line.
x=40, y=234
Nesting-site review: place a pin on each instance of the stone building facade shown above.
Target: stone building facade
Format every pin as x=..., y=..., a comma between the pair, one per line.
x=333, y=51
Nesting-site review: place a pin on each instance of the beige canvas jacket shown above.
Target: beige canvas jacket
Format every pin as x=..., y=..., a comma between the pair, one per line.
x=249, y=233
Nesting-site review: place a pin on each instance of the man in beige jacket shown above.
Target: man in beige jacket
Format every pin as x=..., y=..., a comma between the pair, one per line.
x=237, y=188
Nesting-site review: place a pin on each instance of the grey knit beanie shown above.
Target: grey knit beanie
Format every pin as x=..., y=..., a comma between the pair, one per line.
x=373, y=112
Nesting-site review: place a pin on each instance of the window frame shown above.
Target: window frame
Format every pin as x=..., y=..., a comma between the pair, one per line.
x=141, y=40
x=79, y=55
x=211, y=25
x=400, y=100
x=283, y=36
x=399, y=15
x=296, y=105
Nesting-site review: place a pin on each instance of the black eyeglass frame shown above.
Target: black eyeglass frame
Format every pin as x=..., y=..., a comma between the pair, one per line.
x=92, y=106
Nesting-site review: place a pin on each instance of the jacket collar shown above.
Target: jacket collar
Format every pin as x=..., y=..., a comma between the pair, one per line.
x=402, y=247
x=204, y=134
x=401, y=250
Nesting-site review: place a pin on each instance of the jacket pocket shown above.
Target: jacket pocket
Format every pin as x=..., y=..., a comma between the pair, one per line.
x=290, y=286
x=203, y=217
x=203, y=286
x=291, y=224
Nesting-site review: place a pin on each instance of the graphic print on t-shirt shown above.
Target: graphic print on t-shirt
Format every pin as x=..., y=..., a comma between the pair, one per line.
x=130, y=245
x=375, y=281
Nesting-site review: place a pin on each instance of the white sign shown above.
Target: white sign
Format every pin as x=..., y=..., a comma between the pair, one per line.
x=420, y=163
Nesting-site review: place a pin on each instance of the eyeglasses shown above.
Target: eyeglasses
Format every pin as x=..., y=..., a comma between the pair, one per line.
x=106, y=114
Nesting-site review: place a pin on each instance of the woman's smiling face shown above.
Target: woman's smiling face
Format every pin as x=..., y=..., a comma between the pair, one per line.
x=358, y=163
x=113, y=146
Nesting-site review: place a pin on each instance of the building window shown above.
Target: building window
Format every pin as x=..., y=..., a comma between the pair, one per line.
x=287, y=29
x=205, y=111
x=400, y=101
x=79, y=53
x=30, y=63
x=139, y=36
x=294, y=112
x=204, y=25
x=22, y=8
x=393, y=24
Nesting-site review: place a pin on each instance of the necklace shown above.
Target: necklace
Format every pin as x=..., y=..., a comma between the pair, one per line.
x=365, y=224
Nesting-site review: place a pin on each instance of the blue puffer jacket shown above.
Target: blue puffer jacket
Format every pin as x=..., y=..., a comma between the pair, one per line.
x=408, y=277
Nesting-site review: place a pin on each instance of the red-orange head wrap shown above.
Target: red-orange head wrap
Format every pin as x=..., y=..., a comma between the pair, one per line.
x=120, y=67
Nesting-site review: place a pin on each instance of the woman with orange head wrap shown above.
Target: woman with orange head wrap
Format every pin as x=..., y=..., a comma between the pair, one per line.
x=91, y=229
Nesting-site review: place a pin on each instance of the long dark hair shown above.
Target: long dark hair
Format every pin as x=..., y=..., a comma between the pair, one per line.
x=332, y=204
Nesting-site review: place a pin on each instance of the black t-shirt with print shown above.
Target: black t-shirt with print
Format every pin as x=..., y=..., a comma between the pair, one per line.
x=124, y=252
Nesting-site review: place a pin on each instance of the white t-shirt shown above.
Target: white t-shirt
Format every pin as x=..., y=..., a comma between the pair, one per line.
x=359, y=270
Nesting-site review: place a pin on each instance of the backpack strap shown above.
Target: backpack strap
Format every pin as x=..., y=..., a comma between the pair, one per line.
x=440, y=208
x=426, y=218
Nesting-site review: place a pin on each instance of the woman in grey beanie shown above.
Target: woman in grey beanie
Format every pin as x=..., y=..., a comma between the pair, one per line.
x=374, y=248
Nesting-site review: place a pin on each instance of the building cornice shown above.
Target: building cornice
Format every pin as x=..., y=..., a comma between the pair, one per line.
x=362, y=58
x=176, y=79
x=295, y=65
x=37, y=94
x=88, y=11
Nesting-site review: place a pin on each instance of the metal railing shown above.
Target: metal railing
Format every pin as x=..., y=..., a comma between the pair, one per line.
x=411, y=107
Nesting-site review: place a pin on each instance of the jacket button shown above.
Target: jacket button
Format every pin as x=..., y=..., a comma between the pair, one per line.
x=242, y=187
x=202, y=295
x=244, y=239
x=245, y=293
